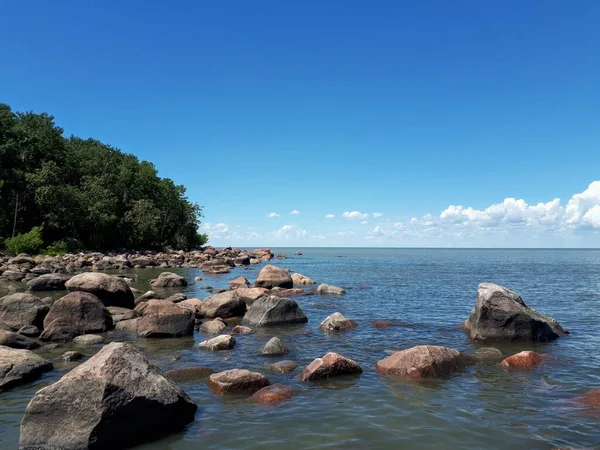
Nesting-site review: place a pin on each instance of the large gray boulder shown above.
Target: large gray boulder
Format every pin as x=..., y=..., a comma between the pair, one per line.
x=501, y=315
x=168, y=280
x=271, y=276
x=113, y=291
x=116, y=399
x=274, y=311
x=224, y=305
x=21, y=309
x=162, y=319
x=18, y=366
x=48, y=282
x=75, y=314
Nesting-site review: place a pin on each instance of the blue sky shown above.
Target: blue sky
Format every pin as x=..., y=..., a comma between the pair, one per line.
x=403, y=109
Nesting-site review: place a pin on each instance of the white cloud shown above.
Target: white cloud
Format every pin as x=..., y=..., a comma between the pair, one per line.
x=581, y=204
x=377, y=215
x=364, y=222
x=288, y=232
x=347, y=233
x=221, y=228
x=272, y=215
x=355, y=215
x=329, y=216
x=295, y=212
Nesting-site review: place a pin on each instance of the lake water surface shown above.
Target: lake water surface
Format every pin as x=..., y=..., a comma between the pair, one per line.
x=426, y=293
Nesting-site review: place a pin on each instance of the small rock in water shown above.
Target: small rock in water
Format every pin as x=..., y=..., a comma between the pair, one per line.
x=424, y=361
x=198, y=279
x=168, y=280
x=215, y=326
x=590, y=398
x=486, y=353
x=72, y=356
x=284, y=366
x=241, y=329
x=330, y=365
x=274, y=348
x=88, y=340
x=300, y=279
x=190, y=374
x=526, y=360
x=327, y=289
x=273, y=394
x=381, y=324
x=336, y=322
x=223, y=342
x=236, y=381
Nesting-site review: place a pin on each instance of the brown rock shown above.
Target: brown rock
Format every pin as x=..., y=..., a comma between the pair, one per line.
x=20, y=309
x=423, y=361
x=213, y=326
x=239, y=282
x=337, y=322
x=273, y=394
x=590, y=398
x=236, y=381
x=271, y=276
x=381, y=324
x=330, y=365
x=224, y=305
x=250, y=295
x=241, y=329
x=284, y=366
x=222, y=342
x=526, y=360
x=300, y=279
x=190, y=374
x=159, y=318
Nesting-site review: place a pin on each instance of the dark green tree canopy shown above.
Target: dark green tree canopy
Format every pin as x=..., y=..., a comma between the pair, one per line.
x=84, y=190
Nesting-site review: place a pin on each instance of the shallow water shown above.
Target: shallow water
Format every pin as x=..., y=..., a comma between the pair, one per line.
x=426, y=294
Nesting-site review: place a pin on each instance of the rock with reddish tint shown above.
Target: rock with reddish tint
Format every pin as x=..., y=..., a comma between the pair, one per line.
x=18, y=366
x=250, y=295
x=190, y=374
x=381, y=324
x=328, y=289
x=239, y=282
x=21, y=309
x=301, y=280
x=224, y=305
x=486, y=353
x=111, y=290
x=424, y=361
x=15, y=340
x=222, y=342
x=236, y=381
x=241, y=329
x=116, y=399
x=273, y=394
x=271, y=276
x=215, y=267
x=275, y=311
x=168, y=280
x=591, y=398
x=336, y=322
x=193, y=304
x=215, y=326
x=274, y=348
x=501, y=315
x=71, y=356
x=159, y=319
x=284, y=366
x=329, y=366
x=526, y=360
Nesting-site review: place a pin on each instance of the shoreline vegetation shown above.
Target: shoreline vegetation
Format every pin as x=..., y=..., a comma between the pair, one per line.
x=65, y=194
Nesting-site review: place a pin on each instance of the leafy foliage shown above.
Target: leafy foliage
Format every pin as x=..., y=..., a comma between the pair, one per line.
x=30, y=242
x=86, y=191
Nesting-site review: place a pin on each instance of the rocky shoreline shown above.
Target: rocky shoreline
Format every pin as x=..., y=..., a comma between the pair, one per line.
x=121, y=386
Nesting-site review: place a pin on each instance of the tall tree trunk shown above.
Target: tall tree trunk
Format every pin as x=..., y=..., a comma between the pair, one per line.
x=15, y=218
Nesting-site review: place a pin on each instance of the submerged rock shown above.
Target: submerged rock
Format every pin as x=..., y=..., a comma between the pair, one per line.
x=275, y=311
x=127, y=401
x=273, y=394
x=330, y=365
x=424, y=361
x=590, y=398
x=271, y=276
x=236, y=381
x=168, y=280
x=327, y=289
x=526, y=360
x=274, y=348
x=111, y=290
x=336, y=322
x=284, y=366
x=222, y=342
x=190, y=374
x=71, y=356
x=381, y=324
x=18, y=366
x=224, y=305
x=486, y=353
x=501, y=315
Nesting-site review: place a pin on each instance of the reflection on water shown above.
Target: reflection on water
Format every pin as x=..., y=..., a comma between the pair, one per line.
x=426, y=294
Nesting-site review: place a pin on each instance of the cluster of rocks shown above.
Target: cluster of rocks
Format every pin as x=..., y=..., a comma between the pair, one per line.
x=127, y=399
x=43, y=273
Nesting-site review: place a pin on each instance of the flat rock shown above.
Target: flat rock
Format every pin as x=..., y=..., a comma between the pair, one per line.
x=88, y=340
x=127, y=401
x=224, y=305
x=336, y=322
x=275, y=311
x=424, y=361
x=271, y=276
x=526, y=360
x=284, y=366
x=501, y=315
x=111, y=290
x=329, y=366
x=161, y=319
x=15, y=340
x=236, y=381
x=190, y=374
x=274, y=348
x=18, y=366
x=273, y=394
x=168, y=280
x=328, y=289
x=222, y=342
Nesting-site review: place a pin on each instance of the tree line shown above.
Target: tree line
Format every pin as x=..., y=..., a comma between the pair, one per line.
x=81, y=193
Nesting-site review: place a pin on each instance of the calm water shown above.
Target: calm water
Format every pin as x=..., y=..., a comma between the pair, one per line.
x=427, y=294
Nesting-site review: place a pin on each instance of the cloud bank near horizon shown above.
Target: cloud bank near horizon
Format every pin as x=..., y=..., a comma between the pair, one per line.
x=511, y=222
